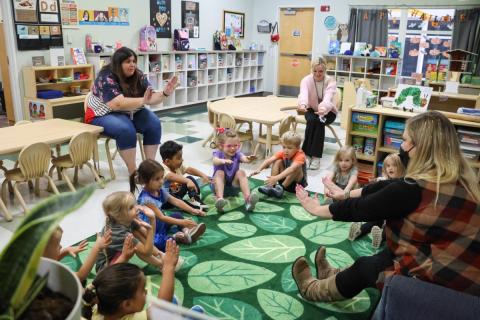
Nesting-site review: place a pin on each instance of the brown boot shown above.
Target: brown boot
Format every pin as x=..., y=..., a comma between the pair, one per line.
x=324, y=269
x=313, y=289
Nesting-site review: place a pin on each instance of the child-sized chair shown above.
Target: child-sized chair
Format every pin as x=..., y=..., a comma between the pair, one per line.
x=80, y=152
x=227, y=121
x=6, y=213
x=33, y=163
x=285, y=125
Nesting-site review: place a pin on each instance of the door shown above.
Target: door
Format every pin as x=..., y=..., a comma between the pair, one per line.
x=295, y=48
x=6, y=99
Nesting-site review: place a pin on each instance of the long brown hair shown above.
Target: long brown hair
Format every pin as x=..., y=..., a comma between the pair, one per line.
x=438, y=158
x=131, y=86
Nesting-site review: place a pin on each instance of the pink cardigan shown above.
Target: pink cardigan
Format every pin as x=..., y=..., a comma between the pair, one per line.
x=308, y=93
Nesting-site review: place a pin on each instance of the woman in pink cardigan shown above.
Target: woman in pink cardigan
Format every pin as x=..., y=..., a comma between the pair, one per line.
x=315, y=100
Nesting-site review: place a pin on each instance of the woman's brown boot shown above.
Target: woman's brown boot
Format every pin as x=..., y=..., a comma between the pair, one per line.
x=324, y=269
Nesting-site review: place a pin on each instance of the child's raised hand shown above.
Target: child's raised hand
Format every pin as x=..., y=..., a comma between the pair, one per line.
x=74, y=250
x=198, y=212
x=147, y=211
x=227, y=161
x=128, y=249
x=142, y=223
x=103, y=241
x=188, y=223
x=172, y=251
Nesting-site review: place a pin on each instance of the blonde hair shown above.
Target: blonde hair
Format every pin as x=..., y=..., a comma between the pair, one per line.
x=292, y=138
x=394, y=160
x=437, y=153
x=223, y=136
x=345, y=151
x=319, y=61
x=117, y=204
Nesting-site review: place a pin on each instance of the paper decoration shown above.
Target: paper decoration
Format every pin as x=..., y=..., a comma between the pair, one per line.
x=412, y=98
x=161, y=17
x=191, y=18
x=111, y=16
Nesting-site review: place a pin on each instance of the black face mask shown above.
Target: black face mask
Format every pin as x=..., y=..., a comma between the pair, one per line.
x=404, y=157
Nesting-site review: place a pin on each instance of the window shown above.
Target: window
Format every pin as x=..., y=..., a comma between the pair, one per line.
x=425, y=35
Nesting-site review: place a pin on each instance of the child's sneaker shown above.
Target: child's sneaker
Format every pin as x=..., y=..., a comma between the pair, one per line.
x=183, y=236
x=277, y=191
x=198, y=309
x=197, y=231
x=251, y=202
x=266, y=190
x=354, y=231
x=376, y=236
x=219, y=204
x=194, y=203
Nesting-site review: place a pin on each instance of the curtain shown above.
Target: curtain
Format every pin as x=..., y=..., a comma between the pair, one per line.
x=368, y=25
x=466, y=33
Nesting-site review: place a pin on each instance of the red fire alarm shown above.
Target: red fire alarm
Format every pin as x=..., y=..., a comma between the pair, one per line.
x=325, y=8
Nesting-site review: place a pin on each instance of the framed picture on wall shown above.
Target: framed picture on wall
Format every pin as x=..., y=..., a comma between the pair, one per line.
x=234, y=22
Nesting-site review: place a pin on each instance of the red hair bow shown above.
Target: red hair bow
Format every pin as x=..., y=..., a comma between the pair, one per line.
x=222, y=130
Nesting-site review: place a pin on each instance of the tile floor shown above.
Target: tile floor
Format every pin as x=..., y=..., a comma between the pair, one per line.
x=189, y=127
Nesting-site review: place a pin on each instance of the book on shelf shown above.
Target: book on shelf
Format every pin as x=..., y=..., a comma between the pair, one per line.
x=78, y=56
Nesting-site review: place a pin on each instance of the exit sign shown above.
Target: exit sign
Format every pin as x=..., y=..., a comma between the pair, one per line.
x=325, y=8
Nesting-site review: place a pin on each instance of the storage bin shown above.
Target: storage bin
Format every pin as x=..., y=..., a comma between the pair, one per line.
x=365, y=122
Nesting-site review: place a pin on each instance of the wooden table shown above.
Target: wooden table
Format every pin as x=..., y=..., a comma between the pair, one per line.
x=264, y=110
x=53, y=131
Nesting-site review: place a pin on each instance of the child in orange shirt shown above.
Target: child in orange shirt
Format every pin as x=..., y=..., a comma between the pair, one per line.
x=289, y=167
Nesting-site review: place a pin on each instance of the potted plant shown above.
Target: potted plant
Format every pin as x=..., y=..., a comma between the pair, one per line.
x=24, y=274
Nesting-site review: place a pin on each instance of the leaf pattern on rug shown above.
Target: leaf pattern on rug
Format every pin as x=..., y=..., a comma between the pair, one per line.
x=279, y=306
x=326, y=232
x=241, y=230
x=227, y=309
x=273, y=223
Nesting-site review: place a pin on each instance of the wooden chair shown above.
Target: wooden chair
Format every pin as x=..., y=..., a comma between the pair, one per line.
x=227, y=121
x=211, y=120
x=33, y=163
x=285, y=125
x=80, y=148
x=240, y=123
x=108, y=151
x=4, y=210
x=337, y=99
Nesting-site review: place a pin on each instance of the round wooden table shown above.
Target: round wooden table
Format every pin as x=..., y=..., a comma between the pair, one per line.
x=264, y=110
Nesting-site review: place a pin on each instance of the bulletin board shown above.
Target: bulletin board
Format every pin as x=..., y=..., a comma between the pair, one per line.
x=38, y=24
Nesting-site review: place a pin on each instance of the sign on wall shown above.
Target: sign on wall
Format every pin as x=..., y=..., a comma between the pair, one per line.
x=191, y=18
x=161, y=17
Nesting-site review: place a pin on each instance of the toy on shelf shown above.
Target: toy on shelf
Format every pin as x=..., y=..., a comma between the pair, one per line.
x=148, y=37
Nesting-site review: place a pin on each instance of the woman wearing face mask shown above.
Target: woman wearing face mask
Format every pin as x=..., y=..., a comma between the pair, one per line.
x=315, y=101
x=432, y=219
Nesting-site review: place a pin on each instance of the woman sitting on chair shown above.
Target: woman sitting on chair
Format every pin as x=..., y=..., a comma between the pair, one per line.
x=117, y=103
x=315, y=100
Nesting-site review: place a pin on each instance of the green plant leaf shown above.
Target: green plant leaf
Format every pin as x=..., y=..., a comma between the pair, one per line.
x=279, y=306
x=222, y=276
x=363, y=247
x=301, y=214
x=272, y=248
x=336, y=257
x=326, y=232
x=190, y=259
x=231, y=216
x=152, y=284
x=273, y=223
x=209, y=237
x=267, y=207
x=241, y=230
x=227, y=309
x=358, y=304
x=24, y=250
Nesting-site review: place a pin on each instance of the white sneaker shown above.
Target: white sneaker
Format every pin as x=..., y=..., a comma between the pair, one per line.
x=354, y=231
x=376, y=236
x=314, y=164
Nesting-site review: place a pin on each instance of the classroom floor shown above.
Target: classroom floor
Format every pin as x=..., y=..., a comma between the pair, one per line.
x=189, y=127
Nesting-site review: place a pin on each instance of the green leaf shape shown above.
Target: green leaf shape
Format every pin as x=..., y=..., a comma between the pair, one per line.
x=301, y=214
x=363, y=247
x=27, y=244
x=189, y=259
x=336, y=257
x=231, y=216
x=152, y=284
x=227, y=309
x=358, y=304
x=241, y=230
x=222, y=276
x=271, y=248
x=279, y=306
x=273, y=223
x=326, y=232
x=288, y=284
x=266, y=207
x=208, y=238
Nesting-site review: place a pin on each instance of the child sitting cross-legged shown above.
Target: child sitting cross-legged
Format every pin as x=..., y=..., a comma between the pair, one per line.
x=344, y=173
x=122, y=221
x=174, y=180
x=288, y=167
x=154, y=196
x=227, y=175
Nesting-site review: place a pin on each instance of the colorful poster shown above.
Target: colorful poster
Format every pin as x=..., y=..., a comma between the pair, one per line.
x=100, y=16
x=44, y=32
x=25, y=10
x=118, y=15
x=48, y=6
x=36, y=109
x=412, y=98
x=191, y=18
x=161, y=17
x=112, y=16
x=68, y=9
